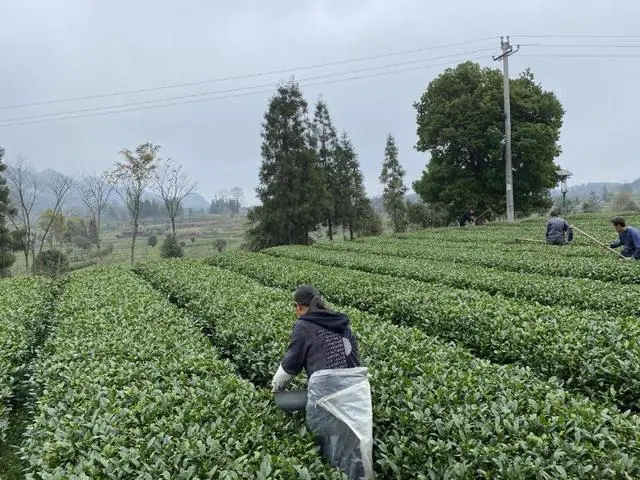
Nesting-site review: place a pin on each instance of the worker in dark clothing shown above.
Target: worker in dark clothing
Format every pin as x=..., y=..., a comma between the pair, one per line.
x=338, y=408
x=468, y=216
x=556, y=229
x=321, y=339
x=628, y=237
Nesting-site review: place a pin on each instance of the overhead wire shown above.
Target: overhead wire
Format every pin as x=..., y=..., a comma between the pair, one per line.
x=247, y=76
x=237, y=89
x=577, y=36
x=595, y=46
x=109, y=111
x=327, y=78
x=177, y=100
x=577, y=55
x=560, y=45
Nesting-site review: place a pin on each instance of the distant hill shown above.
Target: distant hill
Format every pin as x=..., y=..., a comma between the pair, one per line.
x=195, y=201
x=583, y=190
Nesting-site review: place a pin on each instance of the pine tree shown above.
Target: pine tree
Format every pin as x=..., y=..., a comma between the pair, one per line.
x=7, y=258
x=350, y=193
x=392, y=177
x=292, y=185
x=324, y=139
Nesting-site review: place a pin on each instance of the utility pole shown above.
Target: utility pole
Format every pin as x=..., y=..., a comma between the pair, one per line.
x=507, y=51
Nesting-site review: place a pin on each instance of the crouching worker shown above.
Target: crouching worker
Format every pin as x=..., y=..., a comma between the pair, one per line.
x=338, y=406
x=628, y=237
x=556, y=229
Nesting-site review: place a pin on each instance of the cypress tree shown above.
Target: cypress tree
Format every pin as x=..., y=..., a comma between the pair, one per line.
x=292, y=185
x=392, y=177
x=350, y=192
x=7, y=258
x=324, y=140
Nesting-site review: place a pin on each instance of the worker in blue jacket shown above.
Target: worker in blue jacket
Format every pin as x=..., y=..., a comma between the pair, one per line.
x=628, y=238
x=556, y=228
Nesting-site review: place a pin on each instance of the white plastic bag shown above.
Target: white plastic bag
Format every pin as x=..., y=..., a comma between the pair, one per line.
x=339, y=412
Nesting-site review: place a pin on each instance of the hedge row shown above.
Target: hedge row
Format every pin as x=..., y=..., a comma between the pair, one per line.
x=597, y=226
x=544, y=289
x=130, y=388
x=438, y=411
x=608, y=268
x=24, y=307
x=481, y=245
x=590, y=352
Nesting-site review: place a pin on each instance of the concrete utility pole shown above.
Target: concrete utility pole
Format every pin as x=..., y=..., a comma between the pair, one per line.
x=507, y=51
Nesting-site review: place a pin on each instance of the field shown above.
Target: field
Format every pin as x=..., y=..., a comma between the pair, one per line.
x=204, y=229
x=488, y=359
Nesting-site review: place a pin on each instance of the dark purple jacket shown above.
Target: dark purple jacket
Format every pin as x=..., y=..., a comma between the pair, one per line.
x=321, y=339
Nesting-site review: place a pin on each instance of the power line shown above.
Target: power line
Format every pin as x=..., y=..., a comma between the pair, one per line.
x=236, y=89
x=242, y=91
x=237, y=95
x=243, y=94
x=566, y=45
x=246, y=76
x=577, y=55
x=578, y=36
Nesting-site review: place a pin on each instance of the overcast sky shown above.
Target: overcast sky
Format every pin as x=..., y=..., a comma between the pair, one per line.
x=72, y=48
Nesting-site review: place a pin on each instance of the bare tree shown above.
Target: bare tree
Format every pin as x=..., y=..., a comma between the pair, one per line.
x=25, y=191
x=59, y=185
x=236, y=194
x=95, y=191
x=173, y=185
x=133, y=176
x=223, y=196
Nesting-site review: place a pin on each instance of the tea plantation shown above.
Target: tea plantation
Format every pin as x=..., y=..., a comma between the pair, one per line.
x=488, y=359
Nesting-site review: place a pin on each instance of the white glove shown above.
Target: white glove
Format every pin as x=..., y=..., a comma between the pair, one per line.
x=280, y=380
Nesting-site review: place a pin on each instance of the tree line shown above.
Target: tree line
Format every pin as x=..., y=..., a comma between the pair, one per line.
x=622, y=201
x=139, y=171
x=229, y=202
x=309, y=179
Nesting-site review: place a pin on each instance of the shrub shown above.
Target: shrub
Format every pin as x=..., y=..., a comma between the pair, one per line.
x=425, y=216
x=221, y=244
x=24, y=308
x=171, y=248
x=51, y=263
x=369, y=225
x=152, y=240
x=7, y=259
